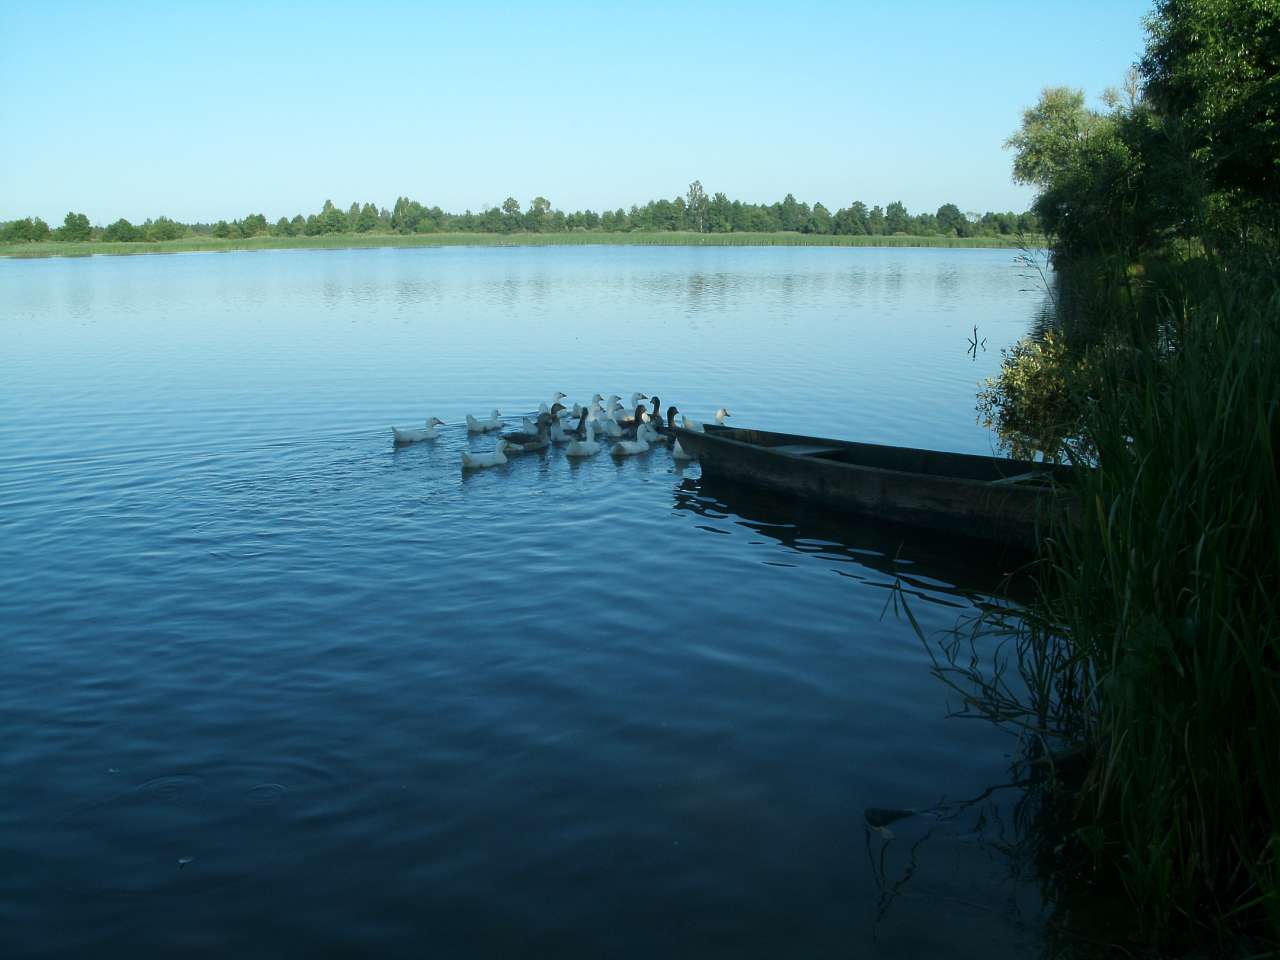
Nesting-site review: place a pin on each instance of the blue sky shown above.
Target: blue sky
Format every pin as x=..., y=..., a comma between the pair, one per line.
x=203, y=111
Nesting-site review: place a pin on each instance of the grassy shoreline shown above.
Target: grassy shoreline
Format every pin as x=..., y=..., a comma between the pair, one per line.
x=342, y=241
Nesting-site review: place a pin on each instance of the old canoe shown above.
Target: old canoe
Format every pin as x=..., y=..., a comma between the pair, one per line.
x=988, y=498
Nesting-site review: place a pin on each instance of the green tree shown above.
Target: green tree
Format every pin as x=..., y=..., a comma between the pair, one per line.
x=719, y=214
x=367, y=219
x=791, y=214
x=75, y=228
x=895, y=218
x=852, y=220
x=511, y=217
x=1212, y=67
x=21, y=231
x=696, y=205
x=819, y=220
x=332, y=220
x=876, y=221
x=536, y=219
x=1051, y=135
x=15, y=231
x=252, y=225
x=951, y=222
x=162, y=228
x=122, y=231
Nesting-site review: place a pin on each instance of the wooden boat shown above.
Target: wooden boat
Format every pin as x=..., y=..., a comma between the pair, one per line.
x=989, y=498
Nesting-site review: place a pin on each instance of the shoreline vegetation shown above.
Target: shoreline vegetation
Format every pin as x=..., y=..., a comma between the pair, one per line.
x=693, y=219
x=360, y=241
x=1153, y=650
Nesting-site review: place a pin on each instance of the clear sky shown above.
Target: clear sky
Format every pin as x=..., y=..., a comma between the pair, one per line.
x=209, y=110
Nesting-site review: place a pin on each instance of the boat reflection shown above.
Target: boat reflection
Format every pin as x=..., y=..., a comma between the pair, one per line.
x=921, y=563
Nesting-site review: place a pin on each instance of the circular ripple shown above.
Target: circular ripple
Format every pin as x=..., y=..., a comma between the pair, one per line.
x=265, y=794
x=185, y=833
x=180, y=787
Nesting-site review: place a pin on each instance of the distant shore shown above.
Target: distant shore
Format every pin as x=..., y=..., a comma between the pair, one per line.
x=338, y=241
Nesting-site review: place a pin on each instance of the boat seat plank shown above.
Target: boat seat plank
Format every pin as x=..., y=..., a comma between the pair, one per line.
x=804, y=449
x=1019, y=478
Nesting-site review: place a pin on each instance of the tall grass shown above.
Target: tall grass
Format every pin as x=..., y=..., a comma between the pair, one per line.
x=1170, y=592
x=1155, y=645
x=364, y=240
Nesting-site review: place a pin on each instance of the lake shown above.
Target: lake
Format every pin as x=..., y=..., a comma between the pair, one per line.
x=273, y=686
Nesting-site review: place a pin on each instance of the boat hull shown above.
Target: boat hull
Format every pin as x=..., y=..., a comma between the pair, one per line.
x=1007, y=502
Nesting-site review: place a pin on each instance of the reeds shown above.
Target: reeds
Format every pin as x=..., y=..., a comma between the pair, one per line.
x=1170, y=592
x=365, y=240
x=1155, y=645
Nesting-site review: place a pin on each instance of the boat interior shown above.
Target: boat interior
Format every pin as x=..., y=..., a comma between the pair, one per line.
x=995, y=470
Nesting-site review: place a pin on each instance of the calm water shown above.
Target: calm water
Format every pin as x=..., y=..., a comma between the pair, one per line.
x=272, y=687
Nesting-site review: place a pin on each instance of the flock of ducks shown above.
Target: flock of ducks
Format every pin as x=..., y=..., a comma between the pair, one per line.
x=632, y=429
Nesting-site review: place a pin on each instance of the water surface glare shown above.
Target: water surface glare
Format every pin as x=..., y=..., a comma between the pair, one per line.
x=275, y=687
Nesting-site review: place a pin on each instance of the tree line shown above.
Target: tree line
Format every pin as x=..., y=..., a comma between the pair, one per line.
x=695, y=211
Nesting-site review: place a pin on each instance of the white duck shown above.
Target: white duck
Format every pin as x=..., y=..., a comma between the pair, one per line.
x=628, y=448
x=696, y=425
x=627, y=416
x=584, y=448
x=484, y=426
x=412, y=435
x=477, y=461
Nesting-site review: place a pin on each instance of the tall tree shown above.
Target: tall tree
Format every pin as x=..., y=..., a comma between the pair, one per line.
x=511, y=219
x=75, y=227
x=696, y=206
x=791, y=214
x=950, y=220
x=895, y=218
x=1213, y=67
x=367, y=219
x=819, y=220
x=536, y=219
x=1051, y=135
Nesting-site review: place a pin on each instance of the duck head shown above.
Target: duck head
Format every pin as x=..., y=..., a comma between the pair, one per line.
x=657, y=407
x=671, y=417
